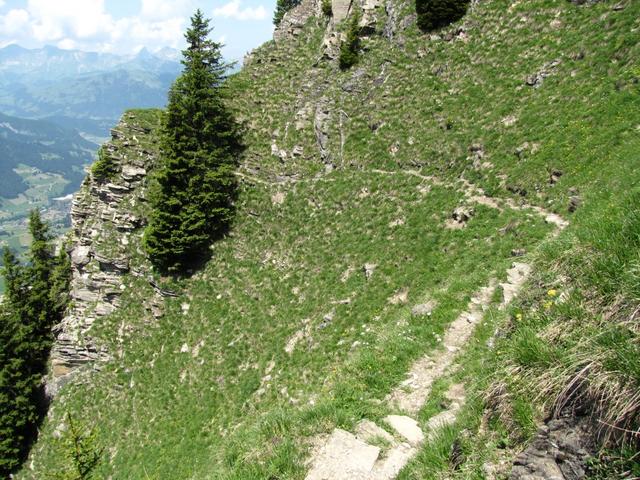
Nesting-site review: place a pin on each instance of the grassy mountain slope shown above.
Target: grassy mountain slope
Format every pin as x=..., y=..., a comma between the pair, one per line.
x=283, y=335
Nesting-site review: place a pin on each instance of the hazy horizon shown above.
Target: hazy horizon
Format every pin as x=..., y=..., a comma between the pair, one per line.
x=125, y=27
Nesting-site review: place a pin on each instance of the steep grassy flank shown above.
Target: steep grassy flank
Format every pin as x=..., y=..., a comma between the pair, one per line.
x=571, y=341
x=195, y=385
x=426, y=102
x=209, y=391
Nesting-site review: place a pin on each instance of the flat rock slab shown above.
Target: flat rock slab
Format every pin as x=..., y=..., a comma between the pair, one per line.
x=340, y=9
x=343, y=457
x=407, y=428
x=389, y=467
x=368, y=431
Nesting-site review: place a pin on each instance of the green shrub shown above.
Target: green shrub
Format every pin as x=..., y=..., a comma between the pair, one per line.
x=104, y=168
x=326, y=8
x=351, y=46
x=78, y=445
x=433, y=14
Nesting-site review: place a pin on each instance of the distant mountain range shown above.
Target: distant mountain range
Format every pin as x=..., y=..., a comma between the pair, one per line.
x=57, y=107
x=42, y=145
x=87, y=91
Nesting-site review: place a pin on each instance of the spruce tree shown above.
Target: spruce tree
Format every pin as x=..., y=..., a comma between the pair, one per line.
x=193, y=200
x=79, y=447
x=350, y=48
x=434, y=14
x=35, y=299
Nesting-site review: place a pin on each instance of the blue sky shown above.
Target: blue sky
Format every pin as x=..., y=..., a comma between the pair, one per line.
x=125, y=26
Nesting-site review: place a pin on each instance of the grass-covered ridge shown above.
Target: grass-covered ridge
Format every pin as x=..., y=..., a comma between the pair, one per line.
x=209, y=390
x=268, y=283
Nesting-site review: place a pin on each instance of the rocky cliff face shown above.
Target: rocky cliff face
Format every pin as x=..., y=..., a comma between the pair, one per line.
x=106, y=218
x=293, y=21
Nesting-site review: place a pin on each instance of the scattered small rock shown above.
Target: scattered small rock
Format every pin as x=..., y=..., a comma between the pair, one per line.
x=278, y=198
x=346, y=274
x=517, y=190
x=423, y=309
x=509, y=120
x=368, y=269
x=554, y=176
x=400, y=297
x=326, y=320
x=459, y=218
x=476, y=155
x=574, y=202
x=547, y=70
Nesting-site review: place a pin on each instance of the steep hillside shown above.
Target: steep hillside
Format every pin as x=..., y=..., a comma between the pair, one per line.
x=435, y=254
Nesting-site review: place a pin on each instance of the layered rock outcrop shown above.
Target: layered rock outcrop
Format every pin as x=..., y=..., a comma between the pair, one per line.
x=106, y=219
x=294, y=20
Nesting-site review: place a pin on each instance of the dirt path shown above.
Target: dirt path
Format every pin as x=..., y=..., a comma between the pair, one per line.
x=356, y=456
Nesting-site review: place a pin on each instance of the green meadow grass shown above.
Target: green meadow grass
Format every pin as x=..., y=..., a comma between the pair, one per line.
x=212, y=394
x=265, y=283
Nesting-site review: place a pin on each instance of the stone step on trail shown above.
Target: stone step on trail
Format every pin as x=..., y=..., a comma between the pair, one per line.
x=456, y=396
x=343, y=457
x=348, y=456
x=406, y=427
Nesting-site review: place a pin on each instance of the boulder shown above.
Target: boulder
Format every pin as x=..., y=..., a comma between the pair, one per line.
x=81, y=255
x=559, y=451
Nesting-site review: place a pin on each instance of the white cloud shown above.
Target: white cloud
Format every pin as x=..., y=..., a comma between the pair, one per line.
x=67, y=44
x=87, y=24
x=82, y=19
x=136, y=32
x=13, y=22
x=232, y=10
x=1, y=3
x=163, y=10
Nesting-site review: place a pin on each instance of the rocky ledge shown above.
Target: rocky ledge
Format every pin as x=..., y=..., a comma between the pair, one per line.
x=105, y=229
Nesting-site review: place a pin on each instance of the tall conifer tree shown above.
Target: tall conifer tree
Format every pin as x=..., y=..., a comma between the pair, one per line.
x=193, y=201
x=35, y=300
